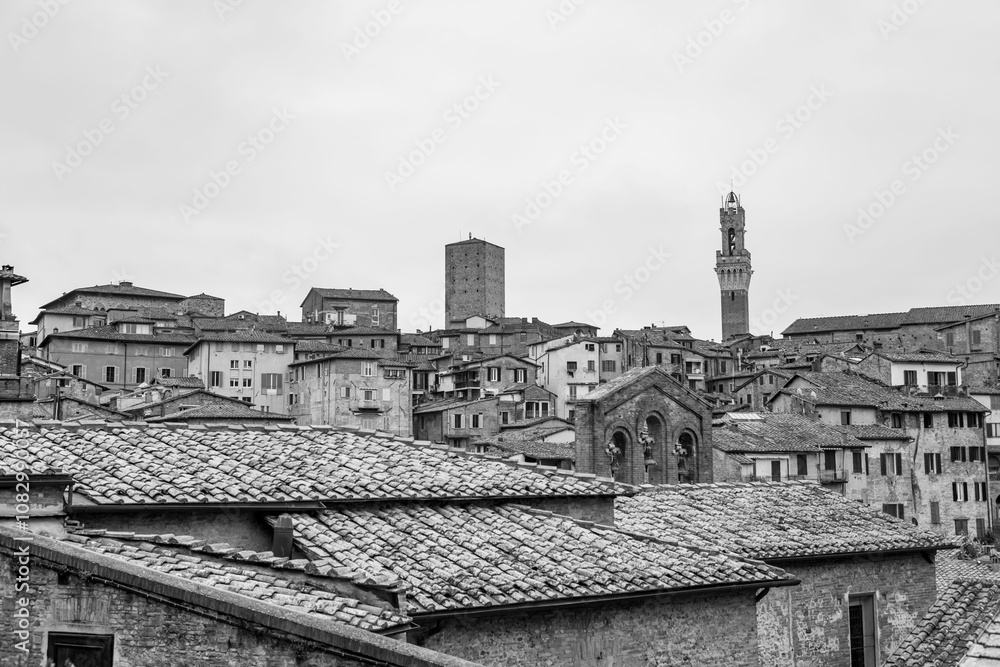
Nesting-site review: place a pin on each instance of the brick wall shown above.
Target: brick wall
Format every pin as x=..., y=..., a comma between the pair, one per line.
x=807, y=625
x=240, y=528
x=690, y=630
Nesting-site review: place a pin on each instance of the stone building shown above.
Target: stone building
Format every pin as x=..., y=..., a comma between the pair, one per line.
x=474, y=282
x=644, y=426
x=866, y=578
x=573, y=366
x=350, y=307
x=486, y=560
x=936, y=476
x=355, y=387
x=249, y=366
x=732, y=266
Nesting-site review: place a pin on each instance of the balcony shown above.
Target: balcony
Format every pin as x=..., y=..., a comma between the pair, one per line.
x=361, y=405
x=832, y=476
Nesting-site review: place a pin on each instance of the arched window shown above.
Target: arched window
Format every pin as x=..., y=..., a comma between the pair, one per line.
x=732, y=241
x=686, y=451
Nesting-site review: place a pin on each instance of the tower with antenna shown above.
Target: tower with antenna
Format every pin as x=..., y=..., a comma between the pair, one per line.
x=732, y=266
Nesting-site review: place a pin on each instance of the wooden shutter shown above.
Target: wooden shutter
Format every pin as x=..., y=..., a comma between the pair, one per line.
x=882, y=461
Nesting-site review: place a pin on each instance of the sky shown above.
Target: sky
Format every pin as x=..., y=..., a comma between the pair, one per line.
x=253, y=149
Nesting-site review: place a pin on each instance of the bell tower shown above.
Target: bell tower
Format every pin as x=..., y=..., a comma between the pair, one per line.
x=732, y=265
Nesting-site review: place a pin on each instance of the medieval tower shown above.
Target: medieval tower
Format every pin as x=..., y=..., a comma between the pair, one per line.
x=732, y=265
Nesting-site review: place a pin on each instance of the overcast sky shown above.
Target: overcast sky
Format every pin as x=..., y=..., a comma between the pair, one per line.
x=254, y=149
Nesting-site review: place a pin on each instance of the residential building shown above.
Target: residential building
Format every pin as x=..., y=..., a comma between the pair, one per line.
x=866, y=578
x=507, y=335
x=483, y=376
x=936, y=476
x=687, y=359
x=546, y=441
x=474, y=281
x=156, y=403
x=732, y=266
x=355, y=387
x=572, y=366
x=248, y=366
x=380, y=340
x=350, y=308
x=461, y=422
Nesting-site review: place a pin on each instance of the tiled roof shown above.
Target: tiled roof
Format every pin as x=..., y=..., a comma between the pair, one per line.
x=573, y=325
x=769, y=520
x=119, y=464
x=533, y=448
x=848, y=389
x=183, y=383
x=356, y=353
x=226, y=411
x=625, y=379
x=876, y=432
x=949, y=629
x=364, y=331
x=317, y=346
x=919, y=357
x=948, y=567
x=306, y=329
x=358, y=294
x=844, y=323
x=243, y=337
x=66, y=310
x=110, y=332
x=775, y=432
x=471, y=556
x=946, y=314
x=246, y=573
x=118, y=290
x=204, y=296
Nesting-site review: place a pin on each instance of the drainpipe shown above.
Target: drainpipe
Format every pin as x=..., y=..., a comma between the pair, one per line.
x=986, y=466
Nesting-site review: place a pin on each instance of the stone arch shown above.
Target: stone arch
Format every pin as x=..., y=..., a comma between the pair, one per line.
x=656, y=425
x=686, y=449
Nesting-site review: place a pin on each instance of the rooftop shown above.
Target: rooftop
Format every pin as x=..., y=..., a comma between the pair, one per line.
x=227, y=411
x=769, y=521
x=354, y=294
x=121, y=289
x=128, y=464
x=110, y=332
x=776, y=432
x=470, y=556
x=851, y=389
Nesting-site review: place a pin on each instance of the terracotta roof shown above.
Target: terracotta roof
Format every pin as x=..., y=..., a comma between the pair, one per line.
x=356, y=353
x=243, y=337
x=110, y=332
x=317, y=346
x=573, y=325
x=950, y=629
x=876, y=432
x=226, y=411
x=306, y=329
x=471, y=556
x=358, y=294
x=807, y=325
x=769, y=520
x=776, y=432
x=118, y=290
x=919, y=357
x=627, y=378
x=244, y=572
x=134, y=463
x=851, y=389
x=66, y=310
x=364, y=331
x=533, y=448
x=182, y=383
x=946, y=314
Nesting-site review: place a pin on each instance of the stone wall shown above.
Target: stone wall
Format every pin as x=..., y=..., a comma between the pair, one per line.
x=807, y=625
x=709, y=630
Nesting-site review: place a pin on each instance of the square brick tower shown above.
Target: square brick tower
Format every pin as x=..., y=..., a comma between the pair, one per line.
x=10, y=343
x=473, y=281
x=732, y=265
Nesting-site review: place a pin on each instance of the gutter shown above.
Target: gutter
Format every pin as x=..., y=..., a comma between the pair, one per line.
x=123, y=508
x=595, y=600
x=854, y=554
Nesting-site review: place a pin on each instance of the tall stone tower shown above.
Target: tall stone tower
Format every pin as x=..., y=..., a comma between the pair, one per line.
x=473, y=281
x=732, y=265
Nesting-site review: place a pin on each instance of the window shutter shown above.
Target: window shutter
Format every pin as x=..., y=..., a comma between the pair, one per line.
x=866, y=463
x=954, y=491
x=965, y=490
x=882, y=461
x=386, y=394
x=935, y=512
x=937, y=459
x=899, y=464
x=901, y=507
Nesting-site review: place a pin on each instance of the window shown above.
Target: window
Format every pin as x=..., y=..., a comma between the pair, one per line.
x=992, y=430
x=589, y=347
x=932, y=464
x=248, y=364
x=830, y=459
x=79, y=370
x=845, y=417
x=861, y=629
x=722, y=366
x=910, y=378
x=493, y=374
x=215, y=379
x=977, y=454
x=980, y=529
x=572, y=392
x=79, y=347
x=802, y=465
x=369, y=369
x=493, y=339
x=367, y=394
x=591, y=365
x=961, y=526
x=928, y=420
x=892, y=464
x=79, y=649
x=894, y=509
x=857, y=459
x=279, y=349
x=378, y=342
x=375, y=316
x=234, y=364
x=345, y=392
x=976, y=337
x=470, y=339
x=247, y=399
x=608, y=366
x=445, y=343
x=935, y=512
x=659, y=358
x=505, y=417
x=675, y=358
x=949, y=339
x=955, y=420
x=975, y=420
x=458, y=421
x=166, y=351
x=570, y=366
x=520, y=375
x=476, y=421
x=270, y=382
x=957, y=454
x=960, y=491
x=394, y=373
x=524, y=336
x=234, y=382
x=897, y=420
x=110, y=373
x=140, y=374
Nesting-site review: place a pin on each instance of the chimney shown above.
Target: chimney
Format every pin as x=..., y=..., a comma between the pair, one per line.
x=125, y=283
x=282, y=546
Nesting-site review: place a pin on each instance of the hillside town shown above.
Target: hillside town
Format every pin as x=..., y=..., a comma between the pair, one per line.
x=186, y=485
